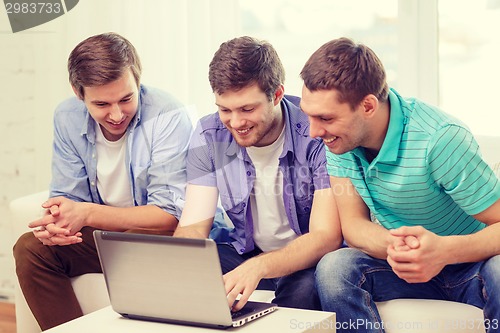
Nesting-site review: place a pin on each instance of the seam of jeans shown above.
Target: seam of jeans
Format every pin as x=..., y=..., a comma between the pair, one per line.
x=374, y=270
x=483, y=289
x=368, y=296
x=462, y=282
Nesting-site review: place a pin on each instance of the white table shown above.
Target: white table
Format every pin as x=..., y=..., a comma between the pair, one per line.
x=283, y=320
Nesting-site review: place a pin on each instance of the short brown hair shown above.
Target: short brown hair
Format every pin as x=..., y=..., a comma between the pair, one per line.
x=101, y=59
x=354, y=70
x=243, y=61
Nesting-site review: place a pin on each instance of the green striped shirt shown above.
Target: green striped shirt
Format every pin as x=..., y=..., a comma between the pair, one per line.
x=429, y=172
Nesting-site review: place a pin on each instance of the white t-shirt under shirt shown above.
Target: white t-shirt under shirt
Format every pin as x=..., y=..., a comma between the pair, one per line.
x=113, y=181
x=270, y=223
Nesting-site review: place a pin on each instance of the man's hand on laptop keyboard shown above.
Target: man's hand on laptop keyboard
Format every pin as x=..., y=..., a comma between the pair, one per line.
x=242, y=281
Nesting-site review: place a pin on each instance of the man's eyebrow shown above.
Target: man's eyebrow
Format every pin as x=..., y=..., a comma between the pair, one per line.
x=98, y=102
x=318, y=115
x=249, y=105
x=130, y=94
x=238, y=107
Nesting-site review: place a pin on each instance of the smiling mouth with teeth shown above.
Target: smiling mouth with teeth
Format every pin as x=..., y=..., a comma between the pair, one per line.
x=330, y=140
x=116, y=124
x=243, y=131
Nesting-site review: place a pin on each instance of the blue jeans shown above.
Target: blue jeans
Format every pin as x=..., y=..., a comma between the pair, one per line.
x=296, y=290
x=349, y=283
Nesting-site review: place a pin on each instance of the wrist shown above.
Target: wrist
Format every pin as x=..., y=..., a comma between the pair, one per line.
x=88, y=213
x=451, y=249
x=260, y=266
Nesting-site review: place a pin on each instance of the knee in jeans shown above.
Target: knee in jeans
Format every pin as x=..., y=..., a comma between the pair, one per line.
x=338, y=261
x=491, y=270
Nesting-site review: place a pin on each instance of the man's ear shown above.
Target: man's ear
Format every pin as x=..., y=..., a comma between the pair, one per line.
x=279, y=94
x=77, y=93
x=370, y=105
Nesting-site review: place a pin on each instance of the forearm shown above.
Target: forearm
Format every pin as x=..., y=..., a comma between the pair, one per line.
x=357, y=228
x=479, y=246
x=367, y=237
x=301, y=253
x=305, y=251
x=476, y=247
x=148, y=217
x=199, y=211
x=197, y=230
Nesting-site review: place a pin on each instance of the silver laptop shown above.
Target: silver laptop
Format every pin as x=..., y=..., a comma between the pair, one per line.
x=169, y=279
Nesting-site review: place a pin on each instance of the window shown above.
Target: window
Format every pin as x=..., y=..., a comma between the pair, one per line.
x=441, y=51
x=469, y=71
x=297, y=28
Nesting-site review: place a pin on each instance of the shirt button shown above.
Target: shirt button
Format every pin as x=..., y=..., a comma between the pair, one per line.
x=307, y=209
x=241, y=250
x=92, y=183
x=248, y=173
x=244, y=205
x=299, y=125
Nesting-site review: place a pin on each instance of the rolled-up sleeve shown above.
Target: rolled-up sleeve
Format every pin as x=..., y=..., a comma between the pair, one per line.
x=200, y=166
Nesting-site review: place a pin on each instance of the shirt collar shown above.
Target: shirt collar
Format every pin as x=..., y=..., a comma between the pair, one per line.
x=392, y=141
x=288, y=144
x=88, y=128
x=390, y=147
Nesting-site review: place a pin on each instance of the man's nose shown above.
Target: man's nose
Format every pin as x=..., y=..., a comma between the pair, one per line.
x=115, y=113
x=315, y=129
x=237, y=121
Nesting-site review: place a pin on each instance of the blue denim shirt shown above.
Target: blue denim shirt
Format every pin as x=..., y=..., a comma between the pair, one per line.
x=215, y=159
x=157, y=143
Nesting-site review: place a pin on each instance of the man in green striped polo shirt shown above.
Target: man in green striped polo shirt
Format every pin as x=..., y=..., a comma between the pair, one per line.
x=416, y=170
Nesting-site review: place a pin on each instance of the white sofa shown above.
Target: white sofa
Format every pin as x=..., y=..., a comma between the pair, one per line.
x=402, y=315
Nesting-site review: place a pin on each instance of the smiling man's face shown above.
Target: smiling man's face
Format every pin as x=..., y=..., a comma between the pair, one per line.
x=251, y=118
x=113, y=105
x=341, y=128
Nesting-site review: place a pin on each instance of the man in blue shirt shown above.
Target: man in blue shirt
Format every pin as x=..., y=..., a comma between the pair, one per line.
x=256, y=155
x=419, y=172
x=118, y=164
